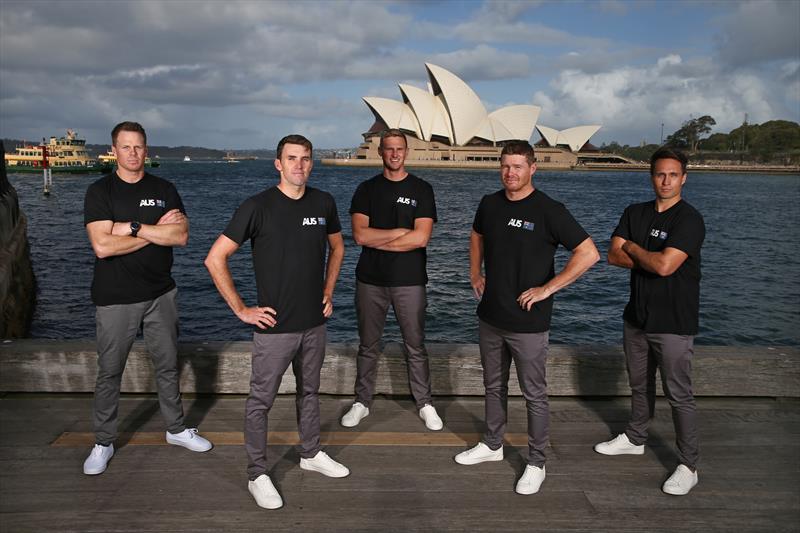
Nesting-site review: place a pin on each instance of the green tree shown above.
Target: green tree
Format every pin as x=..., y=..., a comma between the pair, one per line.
x=688, y=136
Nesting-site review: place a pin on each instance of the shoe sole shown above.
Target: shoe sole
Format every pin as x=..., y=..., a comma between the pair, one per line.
x=638, y=451
x=323, y=472
x=348, y=425
x=92, y=473
x=526, y=493
x=184, y=445
x=665, y=491
x=473, y=462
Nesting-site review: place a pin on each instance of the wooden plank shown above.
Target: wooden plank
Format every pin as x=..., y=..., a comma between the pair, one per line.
x=38, y=365
x=284, y=438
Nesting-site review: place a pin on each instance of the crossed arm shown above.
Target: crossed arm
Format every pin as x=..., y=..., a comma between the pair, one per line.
x=391, y=240
x=628, y=254
x=109, y=238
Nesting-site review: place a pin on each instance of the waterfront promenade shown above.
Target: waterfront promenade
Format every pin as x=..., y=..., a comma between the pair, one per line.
x=403, y=476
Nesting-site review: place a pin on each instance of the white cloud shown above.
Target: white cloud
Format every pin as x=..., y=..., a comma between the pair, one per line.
x=760, y=31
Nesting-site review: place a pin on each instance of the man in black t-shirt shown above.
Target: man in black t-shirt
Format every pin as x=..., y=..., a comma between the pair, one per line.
x=133, y=220
x=659, y=241
x=290, y=227
x=515, y=236
x=392, y=219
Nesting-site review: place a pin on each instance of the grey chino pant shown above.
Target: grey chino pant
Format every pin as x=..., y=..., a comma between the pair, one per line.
x=272, y=355
x=644, y=352
x=117, y=326
x=529, y=353
x=372, y=305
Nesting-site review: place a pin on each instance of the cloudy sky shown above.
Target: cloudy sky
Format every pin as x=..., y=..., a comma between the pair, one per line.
x=231, y=74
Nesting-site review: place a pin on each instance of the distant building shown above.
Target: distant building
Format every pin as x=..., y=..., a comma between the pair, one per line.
x=448, y=125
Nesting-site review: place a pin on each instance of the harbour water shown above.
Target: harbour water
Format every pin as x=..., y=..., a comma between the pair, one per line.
x=750, y=293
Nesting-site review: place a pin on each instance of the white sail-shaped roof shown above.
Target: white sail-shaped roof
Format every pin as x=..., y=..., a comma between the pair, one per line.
x=467, y=114
x=450, y=109
x=393, y=113
x=575, y=137
x=431, y=114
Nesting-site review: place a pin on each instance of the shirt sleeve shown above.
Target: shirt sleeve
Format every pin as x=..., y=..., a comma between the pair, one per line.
x=566, y=230
x=174, y=199
x=623, y=229
x=360, y=201
x=243, y=225
x=96, y=205
x=477, y=223
x=427, y=203
x=333, y=224
x=687, y=235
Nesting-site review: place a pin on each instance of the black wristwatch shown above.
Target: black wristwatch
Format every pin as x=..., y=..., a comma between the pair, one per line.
x=135, y=227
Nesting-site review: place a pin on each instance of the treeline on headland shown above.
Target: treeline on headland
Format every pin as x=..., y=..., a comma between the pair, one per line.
x=776, y=142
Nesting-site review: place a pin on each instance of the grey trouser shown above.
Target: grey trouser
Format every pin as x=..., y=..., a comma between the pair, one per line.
x=673, y=355
x=117, y=326
x=272, y=354
x=409, y=303
x=529, y=352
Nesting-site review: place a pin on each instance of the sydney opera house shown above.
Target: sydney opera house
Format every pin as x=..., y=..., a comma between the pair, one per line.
x=448, y=125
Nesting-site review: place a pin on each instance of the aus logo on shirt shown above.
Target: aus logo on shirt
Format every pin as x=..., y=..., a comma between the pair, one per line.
x=152, y=202
x=314, y=221
x=406, y=201
x=519, y=223
x=658, y=234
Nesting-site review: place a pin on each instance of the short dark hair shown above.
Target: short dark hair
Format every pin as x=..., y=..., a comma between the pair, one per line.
x=392, y=132
x=127, y=126
x=520, y=148
x=294, y=139
x=668, y=153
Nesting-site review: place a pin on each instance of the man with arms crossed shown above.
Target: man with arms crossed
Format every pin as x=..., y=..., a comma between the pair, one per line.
x=659, y=241
x=290, y=227
x=515, y=236
x=133, y=220
x=392, y=219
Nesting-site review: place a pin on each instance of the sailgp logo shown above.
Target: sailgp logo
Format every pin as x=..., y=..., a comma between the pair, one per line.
x=406, y=201
x=519, y=223
x=313, y=221
x=150, y=202
x=658, y=234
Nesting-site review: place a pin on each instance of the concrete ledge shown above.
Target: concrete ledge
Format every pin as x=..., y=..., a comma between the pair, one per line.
x=31, y=365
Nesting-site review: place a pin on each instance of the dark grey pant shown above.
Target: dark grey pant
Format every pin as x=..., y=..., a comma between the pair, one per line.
x=117, y=326
x=409, y=303
x=272, y=354
x=644, y=352
x=529, y=353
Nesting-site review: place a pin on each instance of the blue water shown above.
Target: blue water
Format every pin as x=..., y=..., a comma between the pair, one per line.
x=750, y=293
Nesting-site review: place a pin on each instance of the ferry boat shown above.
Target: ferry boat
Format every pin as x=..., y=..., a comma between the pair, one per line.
x=186, y=158
x=109, y=160
x=64, y=154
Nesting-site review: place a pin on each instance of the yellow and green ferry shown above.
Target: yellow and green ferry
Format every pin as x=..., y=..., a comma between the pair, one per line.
x=64, y=154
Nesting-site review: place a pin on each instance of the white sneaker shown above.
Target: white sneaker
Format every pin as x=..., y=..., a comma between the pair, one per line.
x=531, y=480
x=189, y=438
x=265, y=493
x=680, y=482
x=98, y=459
x=355, y=415
x=431, y=417
x=323, y=464
x=479, y=453
x=619, y=445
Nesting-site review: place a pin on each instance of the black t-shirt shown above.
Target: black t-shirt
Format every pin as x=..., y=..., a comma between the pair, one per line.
x=389, y=205
x=520, y=239
x=144, y=274
x=664, y=304
x=289, y=240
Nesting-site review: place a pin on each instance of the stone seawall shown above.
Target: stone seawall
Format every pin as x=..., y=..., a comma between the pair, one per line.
x=17, y=283
x=31, y=365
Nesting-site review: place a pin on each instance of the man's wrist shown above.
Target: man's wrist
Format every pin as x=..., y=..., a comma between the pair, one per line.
x=135, y=227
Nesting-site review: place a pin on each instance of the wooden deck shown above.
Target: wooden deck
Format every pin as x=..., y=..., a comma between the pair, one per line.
x=403, y=476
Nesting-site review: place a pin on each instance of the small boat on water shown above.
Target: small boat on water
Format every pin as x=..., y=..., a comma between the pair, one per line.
x=186, y=158
x=232, y=157
x=64, y=154
x=109, y=160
